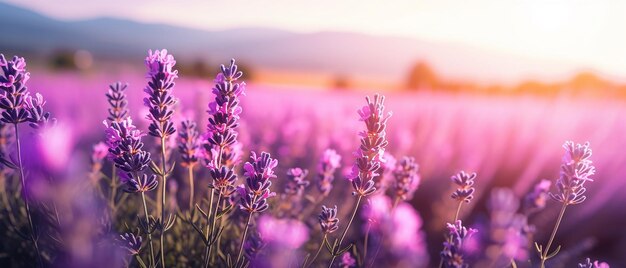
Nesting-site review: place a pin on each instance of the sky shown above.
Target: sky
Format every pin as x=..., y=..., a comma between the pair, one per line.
x=589, y=34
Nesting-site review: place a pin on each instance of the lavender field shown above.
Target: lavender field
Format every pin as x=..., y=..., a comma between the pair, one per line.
x=279, y=176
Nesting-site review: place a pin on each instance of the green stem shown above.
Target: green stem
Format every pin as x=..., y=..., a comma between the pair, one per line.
x=164, y=180
x=544, y=255
x=191, y=188
x=213, y=223
x=458, y=211
x=141, y=263
x=26, y=199
x=113, y=186
x=345, y=231
x=318, y=251
x=145, y=211
x=243, y=238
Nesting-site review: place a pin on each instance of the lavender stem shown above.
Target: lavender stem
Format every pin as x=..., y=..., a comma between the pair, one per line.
x=164, y=188
x=556, y=227
x=318, y=251
x=145, y=210
x=243, y=239
x=25, y=190
x=345, y=231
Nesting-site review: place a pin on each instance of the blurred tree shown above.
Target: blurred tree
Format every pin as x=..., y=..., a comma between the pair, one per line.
x=422, y=76
x=340, y=82
x=62, y=59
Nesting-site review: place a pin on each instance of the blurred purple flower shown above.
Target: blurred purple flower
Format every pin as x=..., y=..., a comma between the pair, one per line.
x=99, y=151
x=536, y=200
x=131, y=242
x=290, y=234
x=296, y=181
x=258, y=173
x=347, y=261
x=126, y=149
x=576, y=169
x=329, y=162
x=188, y=143
x=328, y=220
x=406, y=178
x=465, y=181
x=595, y=264
x=452, y=254
x=160, y=101
x=505, y=228
x=369, y=156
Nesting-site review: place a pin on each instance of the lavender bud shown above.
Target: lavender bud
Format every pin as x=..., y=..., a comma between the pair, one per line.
x=328, y=163
x=188, y=143
x=117, y=100
x=131, y=243
x=142, y=184
x=160, y=101
x=296, y=181
x=536, y=200
x=465, y=181
x=406, y=178
x=328, y=220
x=452, y=254
x=258, y=173
x=576, y=169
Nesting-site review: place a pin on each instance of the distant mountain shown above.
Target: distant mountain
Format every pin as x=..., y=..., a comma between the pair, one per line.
x=348, y=54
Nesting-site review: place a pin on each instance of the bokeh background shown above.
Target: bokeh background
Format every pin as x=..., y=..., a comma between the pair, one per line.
x=494, y=87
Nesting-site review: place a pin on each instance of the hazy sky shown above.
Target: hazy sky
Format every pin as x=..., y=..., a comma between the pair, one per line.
x=585, y=33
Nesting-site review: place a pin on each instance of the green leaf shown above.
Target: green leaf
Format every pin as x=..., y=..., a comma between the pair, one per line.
x=554, y=253
x=345, y=249
x=201, y=211
x=225, y=211
x=155, y=168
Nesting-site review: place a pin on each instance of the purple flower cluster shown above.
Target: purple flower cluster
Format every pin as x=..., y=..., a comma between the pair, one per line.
x=536, y=199
x=505, y=228
x=131, y=242
x=188, y=143
x=347, y=261
x=328, y=163
x=369, y=156
x=576, y=169
x=224, y=180
x=595, y=264
x=452, y=254
x=160, y=101
x=126, y=150
x=258, y=173
x=117, y=100
x=328, y=220
x=465, y=181
x=296, y=181
x=406, y=178
x=17, y=104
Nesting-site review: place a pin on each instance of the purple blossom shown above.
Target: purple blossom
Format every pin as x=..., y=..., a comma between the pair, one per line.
x=117, y=100
x=285, y=233
x=576, y=169
x=327, y=165
x=131, y=242
x=224, y=180
x=595, y=264
x=296, y=181
x=505, y=228
x=258, y=173
x=406, y=178
x=465, y=181
x=144, y=183
x=17, y=104
x=160, y=101
x=99, y=151
x=536, y=200
x=452, y=253
x=126, y=147
x=369, y=156
x=328, y=220
x=188, y=143
x=347, y=261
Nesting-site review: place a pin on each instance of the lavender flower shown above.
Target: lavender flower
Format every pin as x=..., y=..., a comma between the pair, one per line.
x=373, y=143
x=117, y=100
x=452, y=254
x=536, y=200
x=465, y=181
x=258, y=173
x=576, y=169
x=160, y=101
x=224, y=180
x=16, y=102
x=131, y=242
x=188, y=143
x=296, y=181
x=406, y=178
x=595, y=264
x=126, y=147
x=144, y=183
x=506, y=228
x=347, y=261
x=328, y=220
x=225, y=109
x=328, y=163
